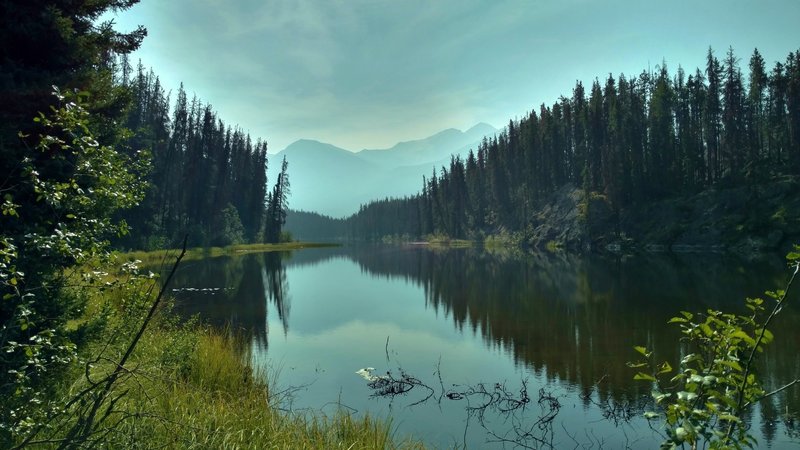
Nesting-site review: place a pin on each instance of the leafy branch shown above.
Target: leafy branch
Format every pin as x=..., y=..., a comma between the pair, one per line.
x=715, y=384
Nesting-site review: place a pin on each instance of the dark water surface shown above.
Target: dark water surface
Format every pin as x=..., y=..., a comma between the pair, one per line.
x=476, y=334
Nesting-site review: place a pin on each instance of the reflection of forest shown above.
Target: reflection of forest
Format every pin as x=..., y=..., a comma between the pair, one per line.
x=576, y=319
x=234, y=292
x=573, y=319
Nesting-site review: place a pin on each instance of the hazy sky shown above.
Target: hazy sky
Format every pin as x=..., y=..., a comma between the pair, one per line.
x=367, y=74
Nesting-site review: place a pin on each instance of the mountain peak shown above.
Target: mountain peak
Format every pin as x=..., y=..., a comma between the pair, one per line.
x=317, y=169
x=311, y=145
x=481, y=128
x=306, y=141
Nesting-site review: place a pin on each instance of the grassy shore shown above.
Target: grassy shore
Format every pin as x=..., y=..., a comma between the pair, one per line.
x=186, y=385
x=195, y=388
x=158, y=256
x=450, y=243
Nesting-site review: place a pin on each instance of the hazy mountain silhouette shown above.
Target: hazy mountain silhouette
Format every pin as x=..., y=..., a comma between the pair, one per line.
x=333, y=181
x=434, y=148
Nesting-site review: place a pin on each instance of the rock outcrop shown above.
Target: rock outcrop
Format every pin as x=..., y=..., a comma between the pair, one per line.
x=755, y=217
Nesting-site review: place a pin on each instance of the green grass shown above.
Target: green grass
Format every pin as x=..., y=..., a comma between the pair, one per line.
x=451, y=243
x=157, y=256
x=222, y=402
x=502, y=240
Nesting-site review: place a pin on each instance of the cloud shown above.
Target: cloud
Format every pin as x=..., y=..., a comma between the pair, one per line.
x=364, y=73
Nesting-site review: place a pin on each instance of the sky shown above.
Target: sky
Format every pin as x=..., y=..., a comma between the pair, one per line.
x=368, y=74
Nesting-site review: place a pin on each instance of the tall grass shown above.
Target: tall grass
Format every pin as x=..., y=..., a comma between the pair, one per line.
x=221, y=402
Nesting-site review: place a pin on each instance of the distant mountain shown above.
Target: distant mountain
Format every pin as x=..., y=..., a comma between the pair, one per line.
x=325, y=178
x=434, y=148
x=333, y=181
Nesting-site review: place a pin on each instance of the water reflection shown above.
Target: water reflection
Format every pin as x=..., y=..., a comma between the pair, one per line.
x=576, y=318
x=567, y=319
x=235, y=291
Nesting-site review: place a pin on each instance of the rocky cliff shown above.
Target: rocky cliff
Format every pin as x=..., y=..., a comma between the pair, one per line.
x=755, y=217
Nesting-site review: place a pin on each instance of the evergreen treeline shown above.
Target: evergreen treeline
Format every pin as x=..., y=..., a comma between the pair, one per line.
x=207, y=179
x=632, y=140
x=311, y=226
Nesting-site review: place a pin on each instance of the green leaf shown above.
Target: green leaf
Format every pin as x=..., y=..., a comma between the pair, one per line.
x=690, y=358
x=665, y=368
x=677, y=320
x=677, y=377
x=642, y=350
x=660, y=397
x=728, y=417
x=732, y=364
x=728, y=401
x=644, y=376
x=768, y=336
x=755, y=301
x=744, y=336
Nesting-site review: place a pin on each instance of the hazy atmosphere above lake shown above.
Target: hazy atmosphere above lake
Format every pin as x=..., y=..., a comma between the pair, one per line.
x=367, y=74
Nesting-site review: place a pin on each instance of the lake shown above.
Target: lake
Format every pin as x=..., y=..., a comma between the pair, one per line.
x=480, y=349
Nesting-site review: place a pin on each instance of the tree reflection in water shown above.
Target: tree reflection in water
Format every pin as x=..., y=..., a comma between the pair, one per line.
x=570, y=319
x=576, y=318
x=234, y=291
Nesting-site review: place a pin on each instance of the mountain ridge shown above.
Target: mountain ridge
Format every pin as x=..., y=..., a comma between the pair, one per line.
x=335, y=181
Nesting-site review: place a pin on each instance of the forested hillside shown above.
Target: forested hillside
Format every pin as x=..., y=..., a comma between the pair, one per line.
x=208, y=179
x=311, y=226
x=626, y=141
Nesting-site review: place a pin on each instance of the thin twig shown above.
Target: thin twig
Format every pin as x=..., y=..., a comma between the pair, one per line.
x=769, y=394
x=748, y=366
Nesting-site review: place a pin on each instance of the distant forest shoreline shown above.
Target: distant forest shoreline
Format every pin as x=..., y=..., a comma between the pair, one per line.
x=703, y=160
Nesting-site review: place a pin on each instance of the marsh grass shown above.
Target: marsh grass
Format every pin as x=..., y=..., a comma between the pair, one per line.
x=223, y=402
x=156, y=257
x=451, y=243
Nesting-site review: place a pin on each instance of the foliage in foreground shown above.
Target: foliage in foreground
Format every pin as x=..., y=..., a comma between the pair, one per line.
x=58, y=215
x=703, y=403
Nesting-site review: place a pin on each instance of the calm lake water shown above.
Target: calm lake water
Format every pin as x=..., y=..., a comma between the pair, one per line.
x=489, y=349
